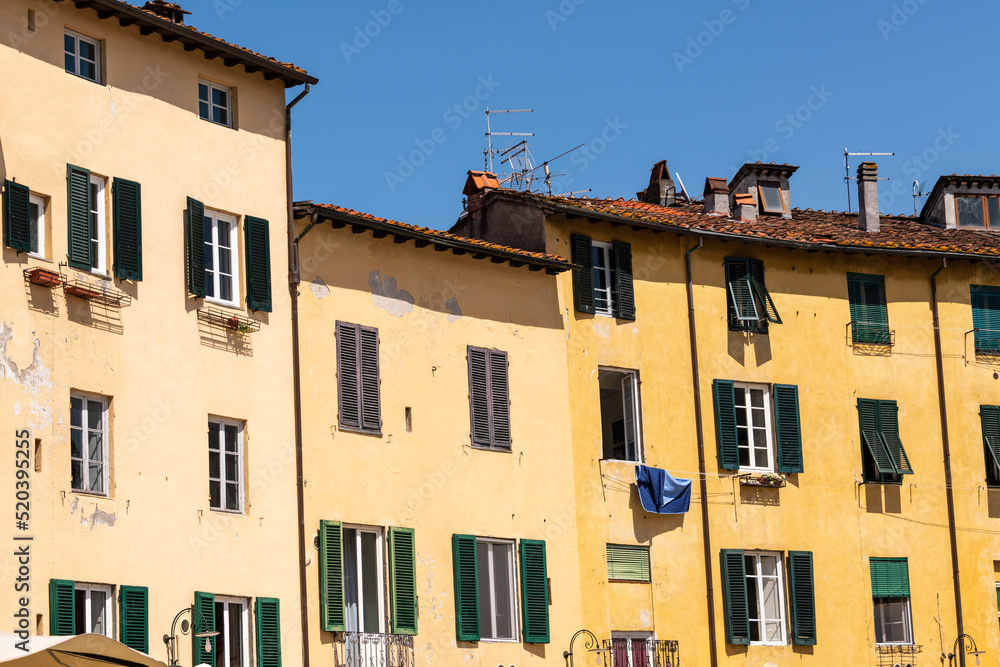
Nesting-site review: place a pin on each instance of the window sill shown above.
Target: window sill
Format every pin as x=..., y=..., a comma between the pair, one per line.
x=225, y=304
x=360, y=431
x=209, y=120
x=90, y=494
x=488, y=448
x=79, y=76
x=230, y=512
x=500, y=641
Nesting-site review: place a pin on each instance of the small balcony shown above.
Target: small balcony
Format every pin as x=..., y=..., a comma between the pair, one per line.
x=872, y=333
x=635, y=652
x=901, y=655
x=367, y=649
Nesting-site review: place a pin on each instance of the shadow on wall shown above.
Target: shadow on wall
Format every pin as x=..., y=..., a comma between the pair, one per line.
x=647, y=526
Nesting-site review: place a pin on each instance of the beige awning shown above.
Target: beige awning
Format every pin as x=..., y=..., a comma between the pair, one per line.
x=77, y=651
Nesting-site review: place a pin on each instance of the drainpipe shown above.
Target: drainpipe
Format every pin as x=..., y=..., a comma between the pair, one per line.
x=293, y=290
x=703, y=481
x=946, y=446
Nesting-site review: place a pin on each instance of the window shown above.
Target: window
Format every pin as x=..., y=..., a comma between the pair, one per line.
x=495, y=573
x=36, y=207
x=358, y=378
x=92, y=607
x=98, y=225
x=986, y=319
x=212, y=262
x=83, y=56
x=753, y=426
x=221, y=264
x=603, y=284
x=891, y=597
x=884, y=458
x=754, y=597
x=869, y=317
x=89, y=443
x=363, y=579
x=765, y=598
x=225, y=465
x=771, y=200
x=743, y=427
x=989, y=416
x=87, y=223
x=230, y=617
x=750, y=305
x=632, y=649
x=621, y=430
x=977, y=212
x=628, y=563
x=23, y=219
x=215, y=103
x=233, y=642
x=78, y=608
x=489, y=400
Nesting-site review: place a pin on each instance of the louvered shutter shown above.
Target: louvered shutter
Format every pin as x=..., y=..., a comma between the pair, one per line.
x=725, y=424
x=17, y=230
x=866, y=295
x=403, y=581
x=499, y=399
x=348, y=375
x=466, y=588
x=78, y=206
x=62, y=619
x=479, y=395
x=268, y=613
x=760, y=289
x=534, y=592
x=786, y=416
x=204, y=622
x=744, y=306
x=989, y=415
x=133, y=617
x=868, y=417
x=371, y=410
x=625, y=303
x=583, y=278
x=628, y=563
x=258, y=258
x=803, y=597
x=127, y=229
x=196, y=247
x=890, y=577
x=331, y=576
x=889, y=431
x=734, y=597
x=986, y=318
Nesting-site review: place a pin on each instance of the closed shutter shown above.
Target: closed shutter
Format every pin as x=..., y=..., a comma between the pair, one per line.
x=331, y=576
x=196, y=247
x=534, y=592
x=348, y=375
x=403, y=581
x=866, y=294
x=62, y=620
x=989, y=415
x=760, y=289
x=268, y=613
x=204, y=622
x=499, y=399
x=466, y=588
x=889, y=430
x=803, y=597
x=78, y=206
x=625, y=304
x=786, y=416
x=725, y=424
x=890, y=577
x=986, y=318
x=628, y=563
x=133, y=617
x=479, y=395
x=371, y=410
x=258, y=258
x=734, y=597
x=127, y=203
x=17, y=230
x=583, y=278
x=868, y=417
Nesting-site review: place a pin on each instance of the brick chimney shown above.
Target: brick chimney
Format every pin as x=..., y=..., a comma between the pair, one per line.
x=167, y=10
x=716, y=196
x=868, y=216
x=661, y=188
x=744, y=209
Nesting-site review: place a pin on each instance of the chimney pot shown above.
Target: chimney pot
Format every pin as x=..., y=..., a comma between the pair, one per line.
x=167, y=10
x=716, y=196
x=868, y=214
x=661, y=188
x=745, y=209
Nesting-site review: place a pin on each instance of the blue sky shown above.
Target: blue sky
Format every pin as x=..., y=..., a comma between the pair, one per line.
x=398, y=116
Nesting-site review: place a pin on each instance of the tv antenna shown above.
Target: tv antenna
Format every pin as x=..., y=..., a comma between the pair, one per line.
x=491, y=152
x=917, y=193
x=847, y=173
x=548, y=173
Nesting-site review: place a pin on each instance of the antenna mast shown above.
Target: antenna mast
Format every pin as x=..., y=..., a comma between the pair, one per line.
x=490, y=151
x=847, y=174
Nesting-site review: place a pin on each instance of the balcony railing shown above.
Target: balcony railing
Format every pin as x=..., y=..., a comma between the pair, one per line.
x=637, y=652
x=366, y=649
x=872, y=333
x=904, y=655
x=987, y=342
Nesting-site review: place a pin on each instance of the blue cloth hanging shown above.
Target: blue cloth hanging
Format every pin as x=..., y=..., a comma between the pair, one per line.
x=660, y=492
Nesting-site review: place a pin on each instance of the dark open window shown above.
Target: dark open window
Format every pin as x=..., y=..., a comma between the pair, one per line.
x=620, y=415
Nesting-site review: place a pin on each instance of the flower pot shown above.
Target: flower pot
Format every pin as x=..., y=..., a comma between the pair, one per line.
x=82, y=292
x=40, y=276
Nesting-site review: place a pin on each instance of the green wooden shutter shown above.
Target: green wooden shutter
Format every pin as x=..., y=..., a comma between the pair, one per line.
x=466, y=588
x=889, y=432
x=534, y=592
x=583, y=278
x=986, y=318
x=127, y=203
x=403, y=581
x=479, y=395
x=734, y=597
x=133, y=617
x=760, y=289
x=803, y=597
x=78, y=206
x=989, y=415
x=258, y=258
x=628, y=563
x=17, y=216
x=725, y=424
x=348, y=375
x=737, y=270
x=786, y=416
x=331, y=576
x=371, y=408
x=196, y=247
x=866, y=294
x=62, y=619
x=204, y=603
x=268, y=613
x=741, y=296
x=499, y=399
x=890, y=577
x=625, y=303
x=868, y=418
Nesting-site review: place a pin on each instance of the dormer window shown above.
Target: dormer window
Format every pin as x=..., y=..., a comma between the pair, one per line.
x=771, y=200
x=977, y=212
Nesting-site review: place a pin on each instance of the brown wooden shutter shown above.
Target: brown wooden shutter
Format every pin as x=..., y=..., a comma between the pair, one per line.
x=499, y=399
x=371, y=412
x=348, y=376
x=479, y=395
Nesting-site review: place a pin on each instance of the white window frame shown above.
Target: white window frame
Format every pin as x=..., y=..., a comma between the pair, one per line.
x=632, y=377
x=755, y=466
x=512, y=574
x=212, y=276
x=77, y=37
x=39, y=201
x=607, y=295
x=380, y=561
x=99, y=224
x=85, y=460
x=212, y=106
x=755, y=615
x=220, y=447
x=879, y=605
x=88, y=607
x=631, y=636
x=222, y=625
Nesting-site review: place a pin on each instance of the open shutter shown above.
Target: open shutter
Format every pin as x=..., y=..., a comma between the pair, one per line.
x=268, y=613
x=725, y=424
x=741, y=296
x=479, y=395
x=803, y=597
x=466, y=588
x=78, y=207
x=629, y=417
x=196, y=247
x=403, y=581
x=258, y=257
x=133, y=617
x=625, y=304
x=889, y=431
x=760, y=289
x=499, y=400
x=989, y=415
x=583, y=278
x=534, y=592
x=17, y=216
x=371, y=410
x=331, y=576
x=62, y=620
x=204, y=603
x=127, y=203
x=868, y=417
x=890, y=577
x=348, y=376
x=734, y=597
x=786, y=416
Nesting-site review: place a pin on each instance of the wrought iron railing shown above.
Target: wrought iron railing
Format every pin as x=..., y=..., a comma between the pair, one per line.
x=366, y=649
x=987, y=342
x=904, y=655
x=637, y=652
x=871, y=333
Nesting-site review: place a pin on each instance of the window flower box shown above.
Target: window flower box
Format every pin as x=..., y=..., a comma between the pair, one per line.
x=82, y=292
x=769, y=479
x=44, y=277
